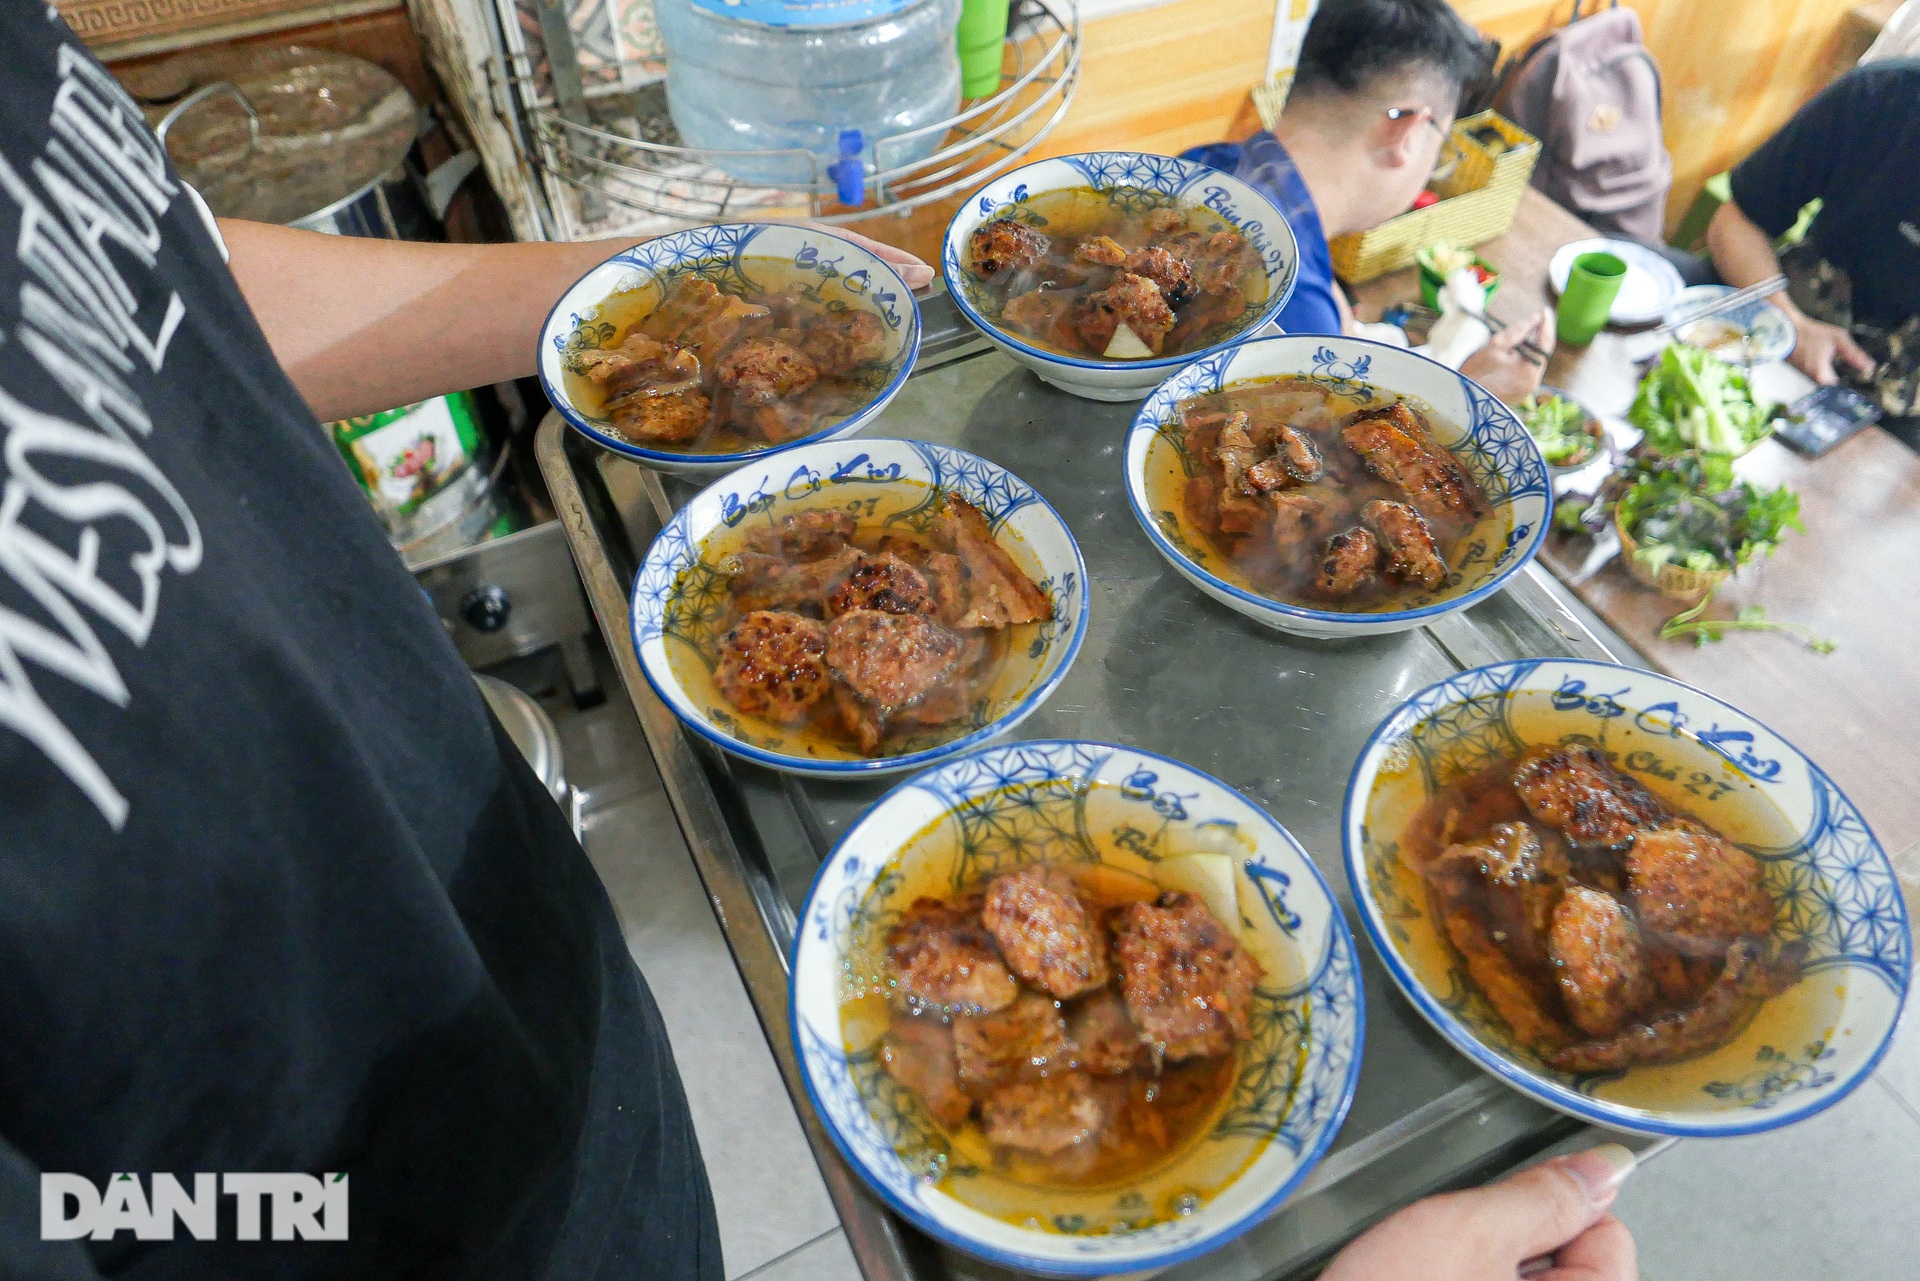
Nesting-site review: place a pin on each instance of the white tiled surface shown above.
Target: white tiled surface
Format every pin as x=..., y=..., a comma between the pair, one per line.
x=826, y=1259
x=775, y=1218
x=1832, y=1198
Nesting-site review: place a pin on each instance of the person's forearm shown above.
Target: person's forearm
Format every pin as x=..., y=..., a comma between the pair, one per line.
x=365, y=325
x=1743, y=253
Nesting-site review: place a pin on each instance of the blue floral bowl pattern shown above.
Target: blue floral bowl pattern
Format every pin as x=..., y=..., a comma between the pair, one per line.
x=1009, y=806
x=735, y=256
x=1770, y=334
x=680, y=600
x=1832, y=885
x=1149, y=180
x=1492, y=442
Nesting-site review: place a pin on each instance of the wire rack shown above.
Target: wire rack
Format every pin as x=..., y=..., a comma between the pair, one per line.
x=608, y=160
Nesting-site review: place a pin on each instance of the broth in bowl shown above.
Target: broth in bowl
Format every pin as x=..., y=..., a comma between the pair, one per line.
x=1327, y=494
x=755, y=359
x=883, y=626
x=1118, y=274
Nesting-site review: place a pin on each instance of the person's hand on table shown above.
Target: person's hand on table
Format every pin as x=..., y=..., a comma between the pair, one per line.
x=1552, y=1217
x=1820, y=347
x=1506, y=371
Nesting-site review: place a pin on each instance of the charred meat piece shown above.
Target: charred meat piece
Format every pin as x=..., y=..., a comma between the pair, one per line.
x=944, y=961
x=1218, y=260
x=840, y=342
x=774, y=665
x=1105, y=1041
x=1597, y=961
x=640, y=366
x=1133, y=301
x=1046, y=1117
x=1188, y=984
x=1005, y=244
x=1508, y=875
x=1577, y=790
x=762, y=370
x=890, y=660
x=998, y=593
x=674, y=419
x=1412, y=554
x=1347, y=564
x=1046, y=314
x=1750, y=976
x=1503, y=984
x=804, y=535
x=1294, y=450
x=1398, y=448
x=1200, y=314
x=696, y=315
x=1101, y=251
x=1304, y=519
x=1269, y=475
x=918, y=1053
x=1026, y=1038
x=778, y=421
x=1236, y=453
x=860, y=719
x=762, y=581
x=885, y=583
x=1696, y=892
x=1045, y=931
x=1165, y=222
x=1166, y=270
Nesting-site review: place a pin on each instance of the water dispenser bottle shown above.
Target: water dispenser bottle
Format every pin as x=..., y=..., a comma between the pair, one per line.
x=834, y=77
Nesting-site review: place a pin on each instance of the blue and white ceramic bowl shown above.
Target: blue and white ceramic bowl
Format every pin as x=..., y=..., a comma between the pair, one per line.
x=1005, y=807
x=1485, y=434
x=1769, y=334
x=1832, y=886
x=753, y=260
x=679, y=597
x=1151, y=181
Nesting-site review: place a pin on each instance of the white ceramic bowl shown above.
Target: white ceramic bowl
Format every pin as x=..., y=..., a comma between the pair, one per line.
x=1500, y=454
x=1158, y=178
x=677, y=605
x=732, y=255
x=1770, y=333
x=1833, y=888
x=1022, y=802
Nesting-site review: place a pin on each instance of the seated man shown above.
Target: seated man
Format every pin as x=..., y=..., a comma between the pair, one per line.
x=1856, y=148
x=1373, y=101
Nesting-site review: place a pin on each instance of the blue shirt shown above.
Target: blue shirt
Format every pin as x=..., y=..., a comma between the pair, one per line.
x=1265, y=166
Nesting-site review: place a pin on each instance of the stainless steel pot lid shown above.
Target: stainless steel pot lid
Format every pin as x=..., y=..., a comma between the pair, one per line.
x=531, y=730
x=327, y=127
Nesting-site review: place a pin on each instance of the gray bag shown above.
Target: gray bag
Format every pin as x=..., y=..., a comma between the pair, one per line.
x=1591, y=93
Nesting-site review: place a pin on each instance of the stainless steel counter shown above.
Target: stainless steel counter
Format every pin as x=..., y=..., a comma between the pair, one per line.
x=1163, y=668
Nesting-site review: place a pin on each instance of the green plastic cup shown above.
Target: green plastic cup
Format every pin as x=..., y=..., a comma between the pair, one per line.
x=983, y=42
x=1592, y=285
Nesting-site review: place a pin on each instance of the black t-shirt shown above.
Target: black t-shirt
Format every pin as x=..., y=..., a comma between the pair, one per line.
x=1856, y=147
x=276, y=893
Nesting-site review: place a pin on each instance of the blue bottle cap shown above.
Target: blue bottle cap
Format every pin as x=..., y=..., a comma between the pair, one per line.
x=849, y=172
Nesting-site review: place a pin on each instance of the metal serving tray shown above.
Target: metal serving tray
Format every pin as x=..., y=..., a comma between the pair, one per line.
x=1164, y=668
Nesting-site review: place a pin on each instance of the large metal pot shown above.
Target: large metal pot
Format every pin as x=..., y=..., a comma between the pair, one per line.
x=304, y=137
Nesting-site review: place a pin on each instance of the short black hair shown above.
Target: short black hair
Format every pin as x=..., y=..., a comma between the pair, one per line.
x=1352, y=43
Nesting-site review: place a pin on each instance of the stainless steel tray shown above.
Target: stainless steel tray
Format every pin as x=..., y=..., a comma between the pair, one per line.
x=1164, y=668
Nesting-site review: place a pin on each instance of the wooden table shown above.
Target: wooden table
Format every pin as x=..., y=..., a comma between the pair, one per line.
x=1850, y=577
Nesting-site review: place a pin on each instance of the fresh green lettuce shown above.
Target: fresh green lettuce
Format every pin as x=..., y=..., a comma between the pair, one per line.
x=1692, y=399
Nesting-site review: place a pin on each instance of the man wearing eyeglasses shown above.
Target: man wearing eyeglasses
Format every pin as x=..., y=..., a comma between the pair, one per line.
x=1373, y=103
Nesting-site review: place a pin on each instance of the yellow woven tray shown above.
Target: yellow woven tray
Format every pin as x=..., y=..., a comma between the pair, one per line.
x=1477, y=203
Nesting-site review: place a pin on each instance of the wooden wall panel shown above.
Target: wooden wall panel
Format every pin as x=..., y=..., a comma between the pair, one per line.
x=1177, y=74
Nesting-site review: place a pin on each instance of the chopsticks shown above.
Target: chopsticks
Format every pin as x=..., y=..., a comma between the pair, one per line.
x=1726, y=302
x=1530, y=351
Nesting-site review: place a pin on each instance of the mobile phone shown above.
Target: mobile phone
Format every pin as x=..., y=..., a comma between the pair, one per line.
x=1823, y=418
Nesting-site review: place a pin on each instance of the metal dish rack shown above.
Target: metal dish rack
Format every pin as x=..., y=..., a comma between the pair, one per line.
x=607, y=159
